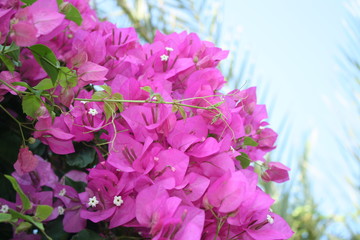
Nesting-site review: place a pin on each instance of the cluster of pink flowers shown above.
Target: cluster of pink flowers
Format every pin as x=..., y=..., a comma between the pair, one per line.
x=173, y=168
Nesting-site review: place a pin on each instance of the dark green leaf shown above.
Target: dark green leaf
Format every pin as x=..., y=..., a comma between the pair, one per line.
x=42, y=212
x=77, y=185
x=244, y=160
x=71, y=13
x=248, y=141
x=30, y=105
x=24, y=199
x=85, y=235
x=81, y=158
x=55, y=230
x=5, y=217
x=28, y=2
x=8, y=63
x=47, y=60
x=45, y=84
x=12, y=51
x=67, y=77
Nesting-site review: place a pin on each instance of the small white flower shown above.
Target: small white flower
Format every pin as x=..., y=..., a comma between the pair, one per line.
x=118, y=201
x=62, y=192
x=172, y=169
x=93, y=111
x=164, y=57
x=83, y=102
x=4, y=208
x=270, y=219
x=169, y=49
x=61, y=210
x=93, y=202
x=35, y=231
x=156, y=159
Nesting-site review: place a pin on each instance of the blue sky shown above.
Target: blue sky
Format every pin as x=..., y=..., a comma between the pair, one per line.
x=295, y=47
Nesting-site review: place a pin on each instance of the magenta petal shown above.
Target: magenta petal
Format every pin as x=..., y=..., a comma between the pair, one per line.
x=73, y=222
x=92, y=72
x=26, y=161
x=209, y=147
x=98, y=216
x=24, y=34
x=124, y=213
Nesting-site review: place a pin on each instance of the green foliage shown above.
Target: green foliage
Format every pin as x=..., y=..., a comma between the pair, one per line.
x=248, y=141
x=30, y=105
x=28, y=2
x=81, y=158
x=26, y=204
x=71, y=12
x=85, y=235
x=47, y=59
x=244, y=160
x=77, y=185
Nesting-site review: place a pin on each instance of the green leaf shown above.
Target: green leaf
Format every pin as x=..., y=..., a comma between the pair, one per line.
x=77, y=185
x=182, y=112
x=244, y=160
x=120, y=105
x=67, y=77
x=5, y=217
x=42, y=212
x=12, y=51
x=71, y=13
x=81, y=158
x=24, y=226
x=45, y=84
x=24, y=199
x=107, y=89
x=248, y=141
x=85, y=235
x=100, y=95
x=109, y=109
x=8, y=63
x=27, y=218
x=28, y=2
x=30, y=104
x=47, y=60
x=23, y=84
x=147, y=89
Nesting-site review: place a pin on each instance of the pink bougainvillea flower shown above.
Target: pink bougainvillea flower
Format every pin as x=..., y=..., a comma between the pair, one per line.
x=227, y=192
x=108, y=198
x=54, y=135
x=26, y=161
x=24, y=34
x=9, y=78
x=276, y=172
x=45, y=16
x=90, y=72
x=42, y=175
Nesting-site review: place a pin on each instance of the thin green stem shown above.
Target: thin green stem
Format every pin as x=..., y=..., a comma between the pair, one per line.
x=12, y=88
x=143, y=101
x=17, y=121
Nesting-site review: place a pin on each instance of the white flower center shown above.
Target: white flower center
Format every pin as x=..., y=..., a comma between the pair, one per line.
x=169, y=49
x=164, y=57
x=62, y=192
x=270, y=219
x=93, y=111
x=118, y=201
x=61, y=210
x=93, y=202
x=4, y=208
x=83, y=102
